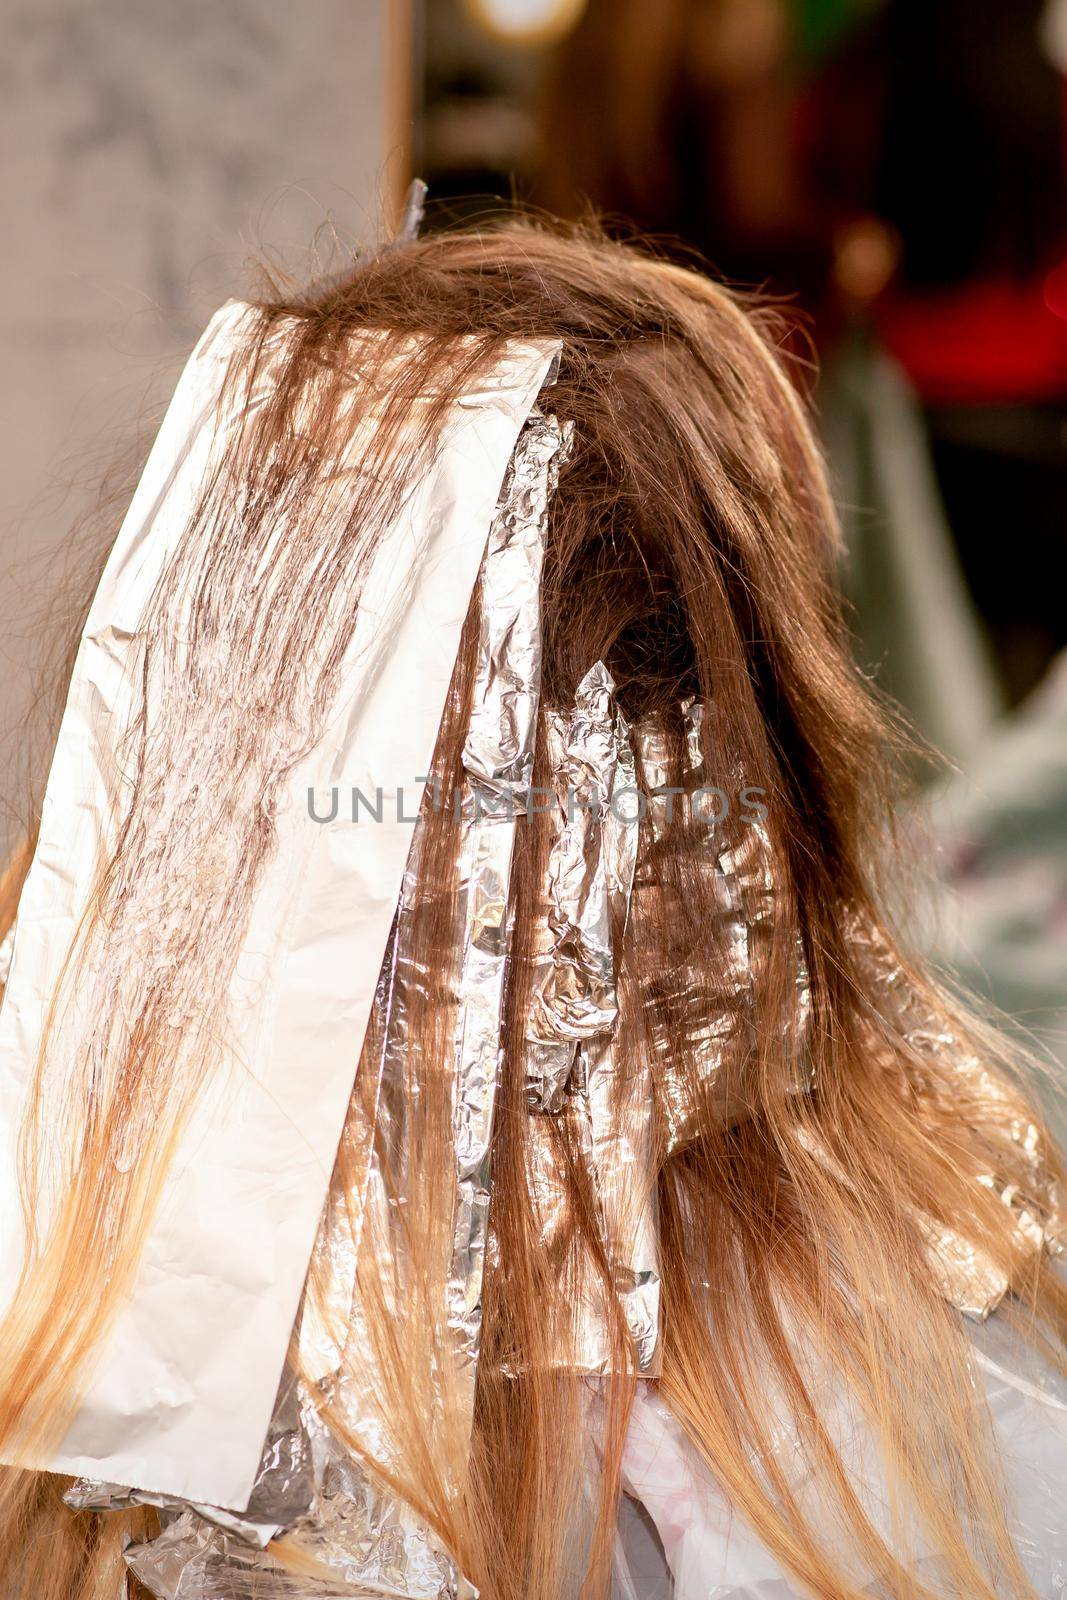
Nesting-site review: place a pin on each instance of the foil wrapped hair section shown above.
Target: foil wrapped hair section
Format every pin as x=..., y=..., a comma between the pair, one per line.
x=498, y=759
x=970, y=1280
x=573, y=1015
x=630, y=1096
x=497, y=767
x=708, y=995
x=498, y=753
x=343, y=1533
x=590, y=878
x=310, y=1490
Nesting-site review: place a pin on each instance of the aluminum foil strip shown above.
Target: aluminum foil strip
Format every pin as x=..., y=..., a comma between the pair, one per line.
x=970, y=1281
x=572, y=1065
x=711, y=1004
x=498, y=752
x=355, y=1391
x=359, y=1540
x=711, y=1011
x=623, y=1155
x=576, y=1330
x=498, y=767
x=573, y=1015
x=367, y=1539
x=488, y=852
x=589, y=880
x=498, y=759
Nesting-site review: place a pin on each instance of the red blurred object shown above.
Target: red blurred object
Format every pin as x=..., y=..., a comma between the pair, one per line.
x=982, y=342
x=1056, y=291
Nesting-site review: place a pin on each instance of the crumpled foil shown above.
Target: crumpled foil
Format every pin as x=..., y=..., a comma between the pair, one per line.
x=969, y=1280
x=359, y=1537
x=284, y=1488
x=589, y=881
x=498, y=759
x=712, y=1007
x=310, y=1490
x=573, y=1012
x=498, y=768
x=604, y=867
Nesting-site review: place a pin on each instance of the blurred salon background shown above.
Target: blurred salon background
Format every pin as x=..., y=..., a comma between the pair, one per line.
x=894, y=172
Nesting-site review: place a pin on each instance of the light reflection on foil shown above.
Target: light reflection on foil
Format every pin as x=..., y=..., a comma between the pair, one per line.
x=589, y=880
x=712, y=1005
x=573, y=1015
x=603, y=869
x=970, y=1281
x=357, y=1540
x=498, y=761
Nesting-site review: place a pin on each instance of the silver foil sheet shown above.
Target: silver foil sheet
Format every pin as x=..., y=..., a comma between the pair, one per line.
x=498, y=760
x=605, y=868
x=714, y=1024
x=573, y=1013
x=589, y=881
x=712, y=1001
x=970, y=1281
x=356, y=1539
x=329, y=1512
x=498, y=766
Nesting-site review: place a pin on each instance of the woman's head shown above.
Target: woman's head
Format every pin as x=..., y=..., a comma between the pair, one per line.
x=855, y=1116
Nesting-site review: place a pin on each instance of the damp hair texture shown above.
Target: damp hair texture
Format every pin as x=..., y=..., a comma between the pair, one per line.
x=691, y=545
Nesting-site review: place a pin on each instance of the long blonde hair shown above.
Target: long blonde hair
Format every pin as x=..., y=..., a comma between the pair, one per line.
x=690, y=548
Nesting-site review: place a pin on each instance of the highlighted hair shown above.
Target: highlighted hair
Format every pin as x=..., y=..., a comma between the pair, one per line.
x=691, y=546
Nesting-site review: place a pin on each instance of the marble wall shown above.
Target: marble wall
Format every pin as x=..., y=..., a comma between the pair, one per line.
x=150, y=153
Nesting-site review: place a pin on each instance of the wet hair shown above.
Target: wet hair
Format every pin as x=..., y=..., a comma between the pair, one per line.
x=690, y=548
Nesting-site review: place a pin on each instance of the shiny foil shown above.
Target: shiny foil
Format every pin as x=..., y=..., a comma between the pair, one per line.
x=498, y=766
x=181, y=1390
x=712, y=1005
x=603, y=870
x=354, y=1539
x=970, y=1281
x=573, y=1014
x=498, y=761
x=328, y=1508
x=590, y=877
